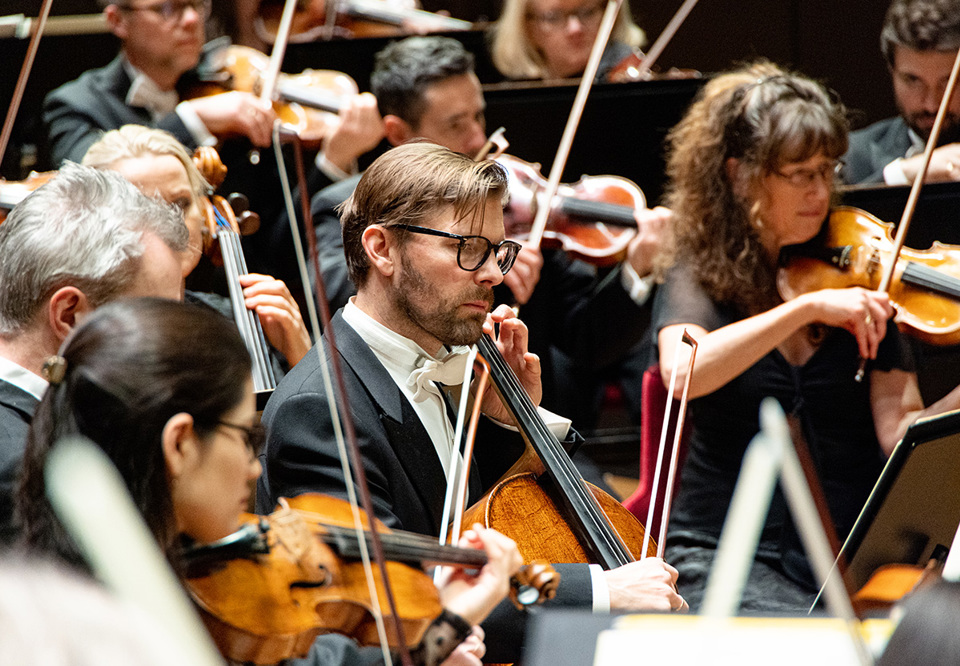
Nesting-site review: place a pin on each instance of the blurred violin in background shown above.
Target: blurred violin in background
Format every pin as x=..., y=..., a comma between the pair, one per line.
x=628, y=69
x=306, y=103
x=592, y=219
x=13, y=192
x=325, y=19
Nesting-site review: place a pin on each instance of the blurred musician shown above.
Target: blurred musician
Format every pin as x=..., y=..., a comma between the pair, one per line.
x=552, y=39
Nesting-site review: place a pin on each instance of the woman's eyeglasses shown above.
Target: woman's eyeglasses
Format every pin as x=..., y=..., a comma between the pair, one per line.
x=472, y=251
x=254, y=436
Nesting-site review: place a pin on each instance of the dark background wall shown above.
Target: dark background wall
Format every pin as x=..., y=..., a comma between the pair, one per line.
x=832, y=40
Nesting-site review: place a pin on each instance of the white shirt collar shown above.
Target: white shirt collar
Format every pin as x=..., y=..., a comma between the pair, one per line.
x=22, y=378
x=145, y=93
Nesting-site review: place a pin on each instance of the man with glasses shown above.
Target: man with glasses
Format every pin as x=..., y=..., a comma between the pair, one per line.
x=424, y=241
x=161, y=59
x=919, y=41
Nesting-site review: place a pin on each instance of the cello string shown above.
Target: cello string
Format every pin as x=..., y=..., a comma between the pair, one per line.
x=583, y=505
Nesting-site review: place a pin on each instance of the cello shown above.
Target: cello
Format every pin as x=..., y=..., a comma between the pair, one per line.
x=543, y=503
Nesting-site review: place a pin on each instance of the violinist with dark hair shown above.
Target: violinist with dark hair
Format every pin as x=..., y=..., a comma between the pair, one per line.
x=752, y=168
x=165, y=390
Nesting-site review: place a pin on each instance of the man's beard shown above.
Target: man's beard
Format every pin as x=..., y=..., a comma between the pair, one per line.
x=425, y=308
x=949, y=133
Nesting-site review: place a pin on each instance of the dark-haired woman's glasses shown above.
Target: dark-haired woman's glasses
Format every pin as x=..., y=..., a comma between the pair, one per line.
x=473, y=251
x=253, y=436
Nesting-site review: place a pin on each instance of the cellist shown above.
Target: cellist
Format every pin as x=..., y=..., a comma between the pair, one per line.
x=424, y=241
x=427, y=89
x=752, y=167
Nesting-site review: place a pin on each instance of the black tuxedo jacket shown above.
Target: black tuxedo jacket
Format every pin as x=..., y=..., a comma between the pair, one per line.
x=77, y=113
x=16, y=412
x=873, y=148
x=404, y=474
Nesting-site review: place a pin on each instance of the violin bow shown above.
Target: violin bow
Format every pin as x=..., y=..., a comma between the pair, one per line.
x=898, y=242
x=685, y=338
x=586, y=83
x=348, y=447
x=22, y=79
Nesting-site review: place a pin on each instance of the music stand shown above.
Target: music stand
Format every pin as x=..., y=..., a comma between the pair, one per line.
x=915, y=504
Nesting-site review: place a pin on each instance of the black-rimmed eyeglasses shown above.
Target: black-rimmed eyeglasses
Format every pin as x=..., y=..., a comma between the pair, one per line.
x=472, y=251
x=254, y=436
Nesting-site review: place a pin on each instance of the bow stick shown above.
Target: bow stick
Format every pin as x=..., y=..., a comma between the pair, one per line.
x=349, y=443
x=888, y=271
x=675, y=453
x=22, y=79
x=586, y=82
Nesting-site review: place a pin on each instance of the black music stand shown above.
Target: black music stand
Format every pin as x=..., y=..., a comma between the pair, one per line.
x=915, y=505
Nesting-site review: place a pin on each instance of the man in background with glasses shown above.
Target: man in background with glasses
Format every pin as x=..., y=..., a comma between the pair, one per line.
x=424, y=241
x=162, y=57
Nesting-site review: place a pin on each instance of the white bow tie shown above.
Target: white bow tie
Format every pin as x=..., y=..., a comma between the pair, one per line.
x=146, y=94
x=449, y=371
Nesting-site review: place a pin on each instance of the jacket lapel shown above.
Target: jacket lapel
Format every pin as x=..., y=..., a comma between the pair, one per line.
x=405, y=433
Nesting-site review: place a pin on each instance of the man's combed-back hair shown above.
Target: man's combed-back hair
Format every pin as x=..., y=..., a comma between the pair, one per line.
x=921, y=25
x=765, y=118
x=84, y=228
x=408, y=184
x=404, y=70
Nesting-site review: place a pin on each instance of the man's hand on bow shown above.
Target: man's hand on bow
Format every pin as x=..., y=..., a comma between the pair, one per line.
x=512, y=342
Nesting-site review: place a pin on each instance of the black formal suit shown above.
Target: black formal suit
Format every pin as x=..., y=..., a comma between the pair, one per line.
x=404, y=474
x=76, y=114
x=16, y=412
x=874, y=147
x=588, y=317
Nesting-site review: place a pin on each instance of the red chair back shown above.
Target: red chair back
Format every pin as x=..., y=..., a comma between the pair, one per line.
x=652, y=408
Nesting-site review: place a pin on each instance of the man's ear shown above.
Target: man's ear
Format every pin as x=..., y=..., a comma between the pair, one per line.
x=180, y=444
x=379, y=244
x=115, y=21
x=397, y=130
x=65, y=309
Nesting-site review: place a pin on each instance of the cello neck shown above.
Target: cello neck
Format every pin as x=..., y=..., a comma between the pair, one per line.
x=586, y=519
x=247, y=321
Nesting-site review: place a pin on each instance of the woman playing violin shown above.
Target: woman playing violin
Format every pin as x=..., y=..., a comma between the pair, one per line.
x=159, y=165
x=752, y=169
x=165, y=390
x=552, y=39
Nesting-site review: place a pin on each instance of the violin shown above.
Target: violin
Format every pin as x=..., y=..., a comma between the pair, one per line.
x=631, y=69
x=543, y=503
x=354, y=18
x=306, y=103
x=591, y=219
x=269, y=589
x=13, y=192
x=853, y=248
